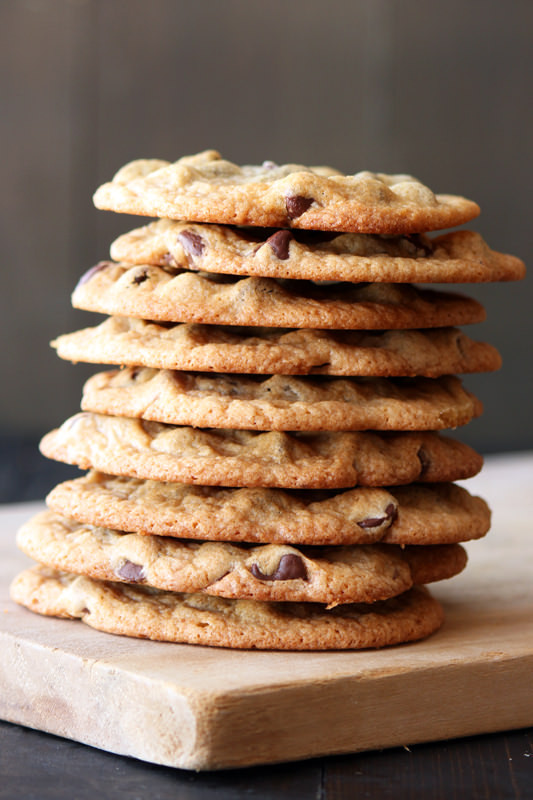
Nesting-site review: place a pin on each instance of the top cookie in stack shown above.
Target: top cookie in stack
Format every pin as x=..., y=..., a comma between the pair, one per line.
x=267, y=468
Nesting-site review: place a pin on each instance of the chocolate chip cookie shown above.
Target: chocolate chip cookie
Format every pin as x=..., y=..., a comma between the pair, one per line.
x=416, y=514
x=270, y=572
x=212, y=348
x=140, y=611
x=331, y=460
x=173, y=295
x=207, y=188
x=455, y=257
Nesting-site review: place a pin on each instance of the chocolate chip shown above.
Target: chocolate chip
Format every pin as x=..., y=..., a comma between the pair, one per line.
x=290, y=567
x=141, y=277
x=134, y=573
x=192, y=243
x=296, y=205
x=279, y=242
x=372, y=522
x=391, y=512
x=90, y=272
x=425, y=462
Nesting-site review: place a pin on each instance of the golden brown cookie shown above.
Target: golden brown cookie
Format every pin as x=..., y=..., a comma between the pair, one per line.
x=167, y=294
x=416, y=514
x=152, y=450
x=281, y=402
x=207, y=188
x=270, y=572
x=140, y=611
x=456, y=257
x=212, y=348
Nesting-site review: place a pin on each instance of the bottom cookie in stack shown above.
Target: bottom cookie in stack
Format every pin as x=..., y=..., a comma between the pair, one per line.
x=148, y=613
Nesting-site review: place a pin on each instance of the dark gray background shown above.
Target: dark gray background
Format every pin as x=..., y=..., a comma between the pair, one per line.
x=438, y=89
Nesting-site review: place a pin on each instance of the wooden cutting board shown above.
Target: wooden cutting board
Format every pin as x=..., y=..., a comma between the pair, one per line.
x=202, y=708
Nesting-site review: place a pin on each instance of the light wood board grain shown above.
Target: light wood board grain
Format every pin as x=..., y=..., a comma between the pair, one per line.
x=202, y=708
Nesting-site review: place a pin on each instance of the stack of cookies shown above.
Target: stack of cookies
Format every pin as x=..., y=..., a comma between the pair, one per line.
x=268, y=467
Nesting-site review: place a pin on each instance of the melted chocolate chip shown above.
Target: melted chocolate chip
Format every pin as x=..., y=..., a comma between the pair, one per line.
x=297, y=205
x=192, y=243
x=372, y=522
x=391, y=512
x=141, y=277
x=134, y=573
x=290, y=567
x=279, y=242
x=92, y=271
x=425, y=462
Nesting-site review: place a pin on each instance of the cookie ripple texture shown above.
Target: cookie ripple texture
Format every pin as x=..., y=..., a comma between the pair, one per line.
x=417, y=514
x=281, y=403
x=455, y=257
x=152, y=450
x=168, y=294
x=211, y=348
x=196, y=618
x=271, y=572
x=207, y=188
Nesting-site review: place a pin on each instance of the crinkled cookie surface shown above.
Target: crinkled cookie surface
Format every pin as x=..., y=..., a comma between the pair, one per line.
x=455, y=257
x=207, y=188
x=416, y=514
x=174, y=295
x=271, y=572
x=153, y=450
x=281, y=402
x=195, y=618
x=212, y=348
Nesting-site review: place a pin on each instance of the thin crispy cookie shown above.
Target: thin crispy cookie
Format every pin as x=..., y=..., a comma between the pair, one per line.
x=270, y=572
x=151, y=450
x=140, y=611
x=211, y=348
x=281, y=402
x=455, y=257
x=207, y=188
x=417, y=514
x=157, y=293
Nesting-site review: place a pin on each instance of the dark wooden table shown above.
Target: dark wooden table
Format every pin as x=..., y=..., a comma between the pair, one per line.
x=38, y=766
